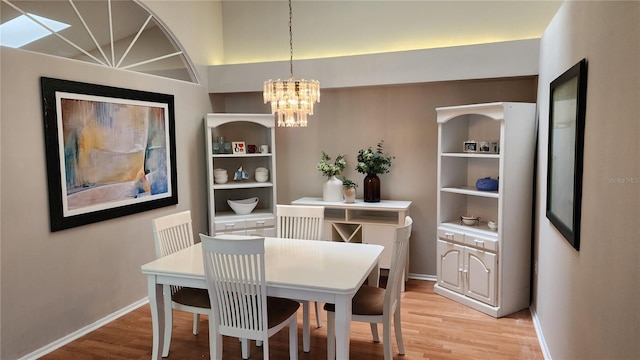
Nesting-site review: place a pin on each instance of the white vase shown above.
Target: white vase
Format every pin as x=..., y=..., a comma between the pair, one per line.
x=349, y=195
x=332, y=189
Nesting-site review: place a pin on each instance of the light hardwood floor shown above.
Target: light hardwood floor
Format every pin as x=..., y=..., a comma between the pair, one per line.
x=433, y=328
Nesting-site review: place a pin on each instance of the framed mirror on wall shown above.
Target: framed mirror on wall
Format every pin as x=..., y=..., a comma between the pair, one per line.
x=567, y=108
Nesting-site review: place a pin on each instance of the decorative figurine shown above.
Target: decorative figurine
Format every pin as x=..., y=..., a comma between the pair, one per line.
x=240, y=174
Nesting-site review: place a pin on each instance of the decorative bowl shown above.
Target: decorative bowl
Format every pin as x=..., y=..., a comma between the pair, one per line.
x=244, y=206
x=220, y=179
x=262, y=178
x=470, y=219
x=219, y=171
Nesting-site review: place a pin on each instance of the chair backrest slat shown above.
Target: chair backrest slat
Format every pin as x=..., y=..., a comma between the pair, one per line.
x=300, y=222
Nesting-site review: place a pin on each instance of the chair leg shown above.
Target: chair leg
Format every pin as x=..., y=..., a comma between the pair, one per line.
x=318, y=315
x=244, y=343
x=386, y=339
x=196, y=320
x=265, y=349
x=374, y=332
x=331, y=335
x=398, y=330
x=293, y=338
x=306, y=327
x=168, y=321
x=215, y=343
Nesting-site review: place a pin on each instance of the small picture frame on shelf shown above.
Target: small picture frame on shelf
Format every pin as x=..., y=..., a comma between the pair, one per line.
x=484, y=146
x=495, y=147
x=238, y=147
x=470, y=146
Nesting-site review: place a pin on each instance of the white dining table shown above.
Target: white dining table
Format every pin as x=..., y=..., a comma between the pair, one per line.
x=322, y=271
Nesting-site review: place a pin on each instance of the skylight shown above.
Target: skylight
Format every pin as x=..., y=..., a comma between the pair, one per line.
x=22, y=30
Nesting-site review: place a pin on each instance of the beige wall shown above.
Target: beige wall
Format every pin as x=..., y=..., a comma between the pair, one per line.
x=347, y=120
x=587, y=302
x=54, y=284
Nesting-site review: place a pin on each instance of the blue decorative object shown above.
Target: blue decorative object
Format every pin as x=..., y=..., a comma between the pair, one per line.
x=241, y=174
x=487, y=184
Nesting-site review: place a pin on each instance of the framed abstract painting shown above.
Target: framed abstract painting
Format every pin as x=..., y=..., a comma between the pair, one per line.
x=110, y=151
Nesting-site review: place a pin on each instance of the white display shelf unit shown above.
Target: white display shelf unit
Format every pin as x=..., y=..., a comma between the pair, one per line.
x=485, y=269
x=254, y=129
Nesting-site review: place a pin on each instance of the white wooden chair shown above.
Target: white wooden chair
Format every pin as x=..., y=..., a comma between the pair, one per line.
x=378, y=305
x=172, y=233
x=305, y=223
x=235, y=272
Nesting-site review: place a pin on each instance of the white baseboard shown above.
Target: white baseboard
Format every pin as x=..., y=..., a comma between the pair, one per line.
x=536, y=325
x=422, y=277
x=84, y=331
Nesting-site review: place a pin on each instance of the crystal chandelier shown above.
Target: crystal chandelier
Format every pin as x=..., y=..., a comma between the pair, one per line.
x=292, y=100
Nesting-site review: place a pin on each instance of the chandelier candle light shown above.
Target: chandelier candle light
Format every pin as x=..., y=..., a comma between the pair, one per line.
x=292, y=100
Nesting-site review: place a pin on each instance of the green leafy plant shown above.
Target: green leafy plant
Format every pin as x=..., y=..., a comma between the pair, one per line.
x=330, y=169
x=374, y=162
x=348, y=183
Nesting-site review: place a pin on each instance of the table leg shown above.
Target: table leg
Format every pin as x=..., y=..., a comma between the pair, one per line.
x=374, y=277
x=156, y=303
x=343, y=326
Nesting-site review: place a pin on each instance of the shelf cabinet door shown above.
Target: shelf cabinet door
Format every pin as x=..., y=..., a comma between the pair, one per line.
x=450, y=266
x=481, y=279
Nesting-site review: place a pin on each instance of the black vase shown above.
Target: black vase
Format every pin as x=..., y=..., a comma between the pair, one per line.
x=371, y=188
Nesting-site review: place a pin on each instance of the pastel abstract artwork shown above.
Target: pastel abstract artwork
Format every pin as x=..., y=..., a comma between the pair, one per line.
x=114, y=154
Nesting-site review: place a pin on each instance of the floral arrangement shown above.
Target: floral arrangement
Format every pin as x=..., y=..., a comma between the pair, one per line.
x=348, y=183
x=328, y=169
x=374, y=162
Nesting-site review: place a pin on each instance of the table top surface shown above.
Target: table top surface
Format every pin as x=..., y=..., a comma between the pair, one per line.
x=359, y=204
x=336, y=267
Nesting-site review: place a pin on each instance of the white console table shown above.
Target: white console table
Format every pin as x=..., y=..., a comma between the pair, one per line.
x=364, y=222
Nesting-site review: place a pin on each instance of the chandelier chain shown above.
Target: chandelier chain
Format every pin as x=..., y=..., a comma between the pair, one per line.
x=290, y=41
x=292, y=100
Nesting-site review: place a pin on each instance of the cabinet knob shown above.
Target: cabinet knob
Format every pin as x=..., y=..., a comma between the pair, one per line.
x=228, y=226
x=449, y=235
x=478, y=242
x=260, y=222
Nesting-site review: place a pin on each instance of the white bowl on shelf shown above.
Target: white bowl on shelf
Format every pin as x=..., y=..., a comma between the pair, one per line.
x=219, y=171
x=470, y=219
x=220, y=179
x=261, y=174
x=244, y=206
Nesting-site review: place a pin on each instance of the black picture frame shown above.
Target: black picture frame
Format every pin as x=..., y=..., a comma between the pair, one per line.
x=567, y=109
x=110, y=152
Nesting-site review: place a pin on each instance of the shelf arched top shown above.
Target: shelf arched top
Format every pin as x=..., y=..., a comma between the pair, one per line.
x=218, y=119
x=493, y=111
